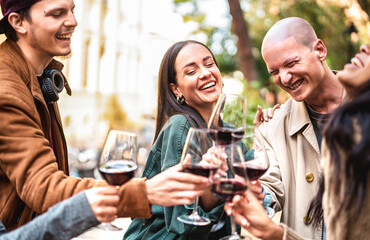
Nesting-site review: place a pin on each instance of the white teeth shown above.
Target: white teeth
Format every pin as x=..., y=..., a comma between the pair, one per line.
x=64, y=36
x=296, y=85
x=211, y=84
x=356, y=62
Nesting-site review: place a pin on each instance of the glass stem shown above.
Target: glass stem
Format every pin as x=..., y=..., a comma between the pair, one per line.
x=233, y=225
x=195, y=210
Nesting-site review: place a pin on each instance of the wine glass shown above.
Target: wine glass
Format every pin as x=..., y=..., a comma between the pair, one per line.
x=225, y=186
x=197, y=158
x=229, y=118
x=118, y=162
x=256, y=158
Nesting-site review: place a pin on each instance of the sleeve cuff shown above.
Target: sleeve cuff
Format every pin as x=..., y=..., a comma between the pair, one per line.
x=134, y=201
x=289, y=234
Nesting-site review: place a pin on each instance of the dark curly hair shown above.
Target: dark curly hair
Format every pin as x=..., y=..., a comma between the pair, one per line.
x=352, y=117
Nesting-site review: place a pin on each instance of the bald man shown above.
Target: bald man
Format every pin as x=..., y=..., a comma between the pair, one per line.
x=295, y=57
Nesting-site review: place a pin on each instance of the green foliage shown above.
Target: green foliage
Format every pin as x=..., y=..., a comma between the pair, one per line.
x=252, y=93
x=326, y=17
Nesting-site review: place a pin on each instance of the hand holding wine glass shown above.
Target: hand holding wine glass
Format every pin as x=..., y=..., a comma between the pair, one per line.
x=256, y=158
x=197, y=159
x=229, y=118
x=118, y=162
x=225, y=187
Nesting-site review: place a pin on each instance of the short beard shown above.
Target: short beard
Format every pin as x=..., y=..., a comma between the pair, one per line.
x=68, y=56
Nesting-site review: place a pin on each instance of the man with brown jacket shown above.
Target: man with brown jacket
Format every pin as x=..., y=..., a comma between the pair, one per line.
x=33, y=151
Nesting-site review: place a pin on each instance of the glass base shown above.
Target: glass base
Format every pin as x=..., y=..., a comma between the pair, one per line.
x=270, y=212
x=234, y=237
x=108, y=227
x=194, y=220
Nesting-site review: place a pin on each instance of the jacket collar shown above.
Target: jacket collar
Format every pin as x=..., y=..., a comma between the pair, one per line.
x=300, y=115
x=26, y=68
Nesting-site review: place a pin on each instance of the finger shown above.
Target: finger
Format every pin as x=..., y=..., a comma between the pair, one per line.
x=183, y=198
x=228, y=209
x=109, y=201
x=255, y=188
x=187, y=159
x=176, y=168
x=107, y=190
x=258, y=118
x=265, y=115
x=189, y=178
x=276, y=107
x=270, y=112
x=105, y=210
x=241, y=220
x=109, y=218
x=178, y=186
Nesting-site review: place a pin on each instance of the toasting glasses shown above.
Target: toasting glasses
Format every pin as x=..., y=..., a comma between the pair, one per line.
x=233, y=182
x=229, y=118
x=118, y=162
x=195, y=160
x=256, y=157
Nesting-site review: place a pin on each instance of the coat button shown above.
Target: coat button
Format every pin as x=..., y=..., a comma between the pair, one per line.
x=309, y=177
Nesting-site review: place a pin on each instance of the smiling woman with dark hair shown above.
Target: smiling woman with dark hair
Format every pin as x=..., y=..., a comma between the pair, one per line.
x=189, y=85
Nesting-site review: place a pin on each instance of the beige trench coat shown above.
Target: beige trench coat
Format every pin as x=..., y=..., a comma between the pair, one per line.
x=292, y=178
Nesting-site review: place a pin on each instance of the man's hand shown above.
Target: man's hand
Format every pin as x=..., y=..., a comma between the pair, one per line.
x=174, y=187
x=256, y=188
x=103, y=202
x=264, y=114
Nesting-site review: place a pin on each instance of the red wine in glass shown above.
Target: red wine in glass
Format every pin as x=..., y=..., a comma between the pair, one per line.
x=226, y=189
x=226, y=136
x=205, y=171
x=118, y=172
x=253, y=170
x=117, y=162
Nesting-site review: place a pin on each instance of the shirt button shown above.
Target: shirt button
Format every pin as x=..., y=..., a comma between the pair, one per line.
x=309, y=177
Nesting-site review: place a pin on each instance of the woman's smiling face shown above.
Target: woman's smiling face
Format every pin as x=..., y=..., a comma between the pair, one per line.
x=198, y=78
x=357, y=72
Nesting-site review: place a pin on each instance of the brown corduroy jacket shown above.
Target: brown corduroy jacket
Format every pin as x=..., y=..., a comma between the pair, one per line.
x=30, y=179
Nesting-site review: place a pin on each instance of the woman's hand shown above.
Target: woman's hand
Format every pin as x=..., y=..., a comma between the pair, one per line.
x=264, y=114
x=250, y=214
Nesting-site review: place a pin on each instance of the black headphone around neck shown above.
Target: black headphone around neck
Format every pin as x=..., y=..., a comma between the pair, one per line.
x=51, y=84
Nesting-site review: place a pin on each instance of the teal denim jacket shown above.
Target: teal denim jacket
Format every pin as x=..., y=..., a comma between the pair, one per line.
x=163, y=224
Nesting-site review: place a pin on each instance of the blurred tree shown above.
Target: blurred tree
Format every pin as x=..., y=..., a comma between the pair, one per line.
x=114, y=113
x=244, y=53
x=328, y=18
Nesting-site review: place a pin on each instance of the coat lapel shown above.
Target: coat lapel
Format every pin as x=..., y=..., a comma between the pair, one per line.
x=300, y=120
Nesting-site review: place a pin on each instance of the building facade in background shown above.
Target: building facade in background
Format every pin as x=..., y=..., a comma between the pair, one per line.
x=117, y=49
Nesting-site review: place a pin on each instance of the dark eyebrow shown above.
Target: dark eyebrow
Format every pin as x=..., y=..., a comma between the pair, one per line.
x=61, y=9
x=193, y=63
x=290, y=59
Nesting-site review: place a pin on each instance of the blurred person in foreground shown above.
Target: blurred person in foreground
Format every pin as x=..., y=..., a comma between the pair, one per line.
x=344, y=193
x=33, y=151
x=296, y=59
x=71, y=217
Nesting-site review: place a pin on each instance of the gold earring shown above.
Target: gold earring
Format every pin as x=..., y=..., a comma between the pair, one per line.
x=180, y=100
